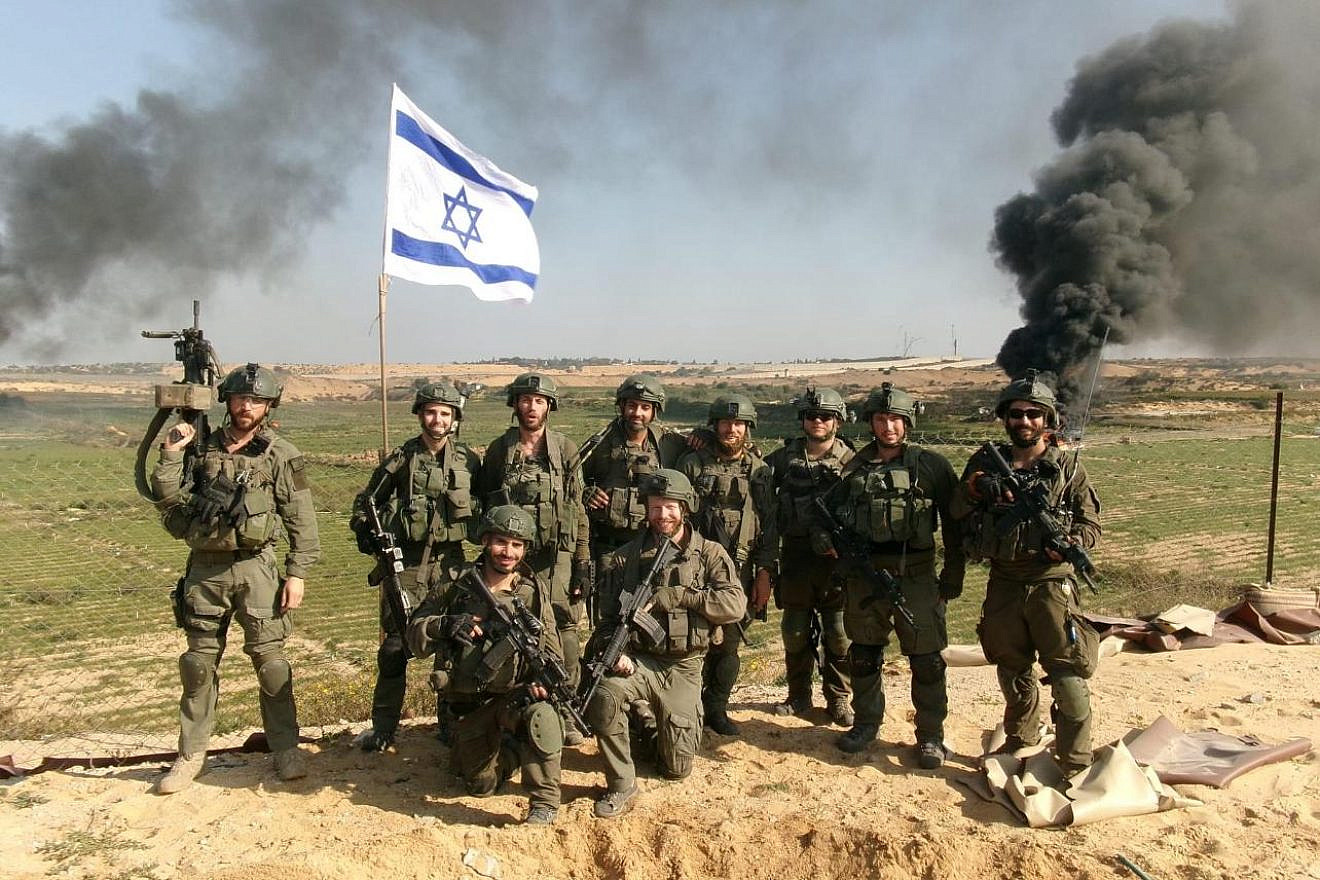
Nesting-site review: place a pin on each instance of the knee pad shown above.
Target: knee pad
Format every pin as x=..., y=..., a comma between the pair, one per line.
x=865, y=659
x=927, y=668
x=1071, y=697
x=545, y=730
x=603, y=709
x=194, y=672
x=274, y=676
x=391, y=659
x=833, y=634
x=796, y=630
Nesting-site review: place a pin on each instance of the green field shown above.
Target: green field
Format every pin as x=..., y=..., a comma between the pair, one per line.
x=88, y=642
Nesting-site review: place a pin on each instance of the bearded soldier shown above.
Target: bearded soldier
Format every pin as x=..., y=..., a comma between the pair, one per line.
x=699, y=591
x=535, y=468
x=423, y=492
x=503, y=721
x=633, y=447
x=733, y=486
x=1031, y=608
x=805, y=468
x=894, y=498
x=247, y=484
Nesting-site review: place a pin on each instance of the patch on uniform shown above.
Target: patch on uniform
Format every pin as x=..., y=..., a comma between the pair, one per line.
x=298, y=466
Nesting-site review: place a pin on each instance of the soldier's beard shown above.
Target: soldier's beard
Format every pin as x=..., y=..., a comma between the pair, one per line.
x=1025, y=437
x=531, y=421
x=732, y=447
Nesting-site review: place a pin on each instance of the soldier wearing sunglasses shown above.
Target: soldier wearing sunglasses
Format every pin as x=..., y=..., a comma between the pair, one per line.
x=1031, y=609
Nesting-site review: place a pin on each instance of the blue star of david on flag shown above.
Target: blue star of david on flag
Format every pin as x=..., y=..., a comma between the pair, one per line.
x=470, y=234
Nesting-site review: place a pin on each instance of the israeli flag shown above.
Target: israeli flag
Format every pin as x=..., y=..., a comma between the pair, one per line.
x=451, y=216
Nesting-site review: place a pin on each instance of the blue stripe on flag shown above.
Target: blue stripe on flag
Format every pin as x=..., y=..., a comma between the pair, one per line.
x=407, y=128
x=439, y=254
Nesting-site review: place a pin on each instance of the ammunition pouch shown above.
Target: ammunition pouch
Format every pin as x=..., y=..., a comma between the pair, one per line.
x=883, y=505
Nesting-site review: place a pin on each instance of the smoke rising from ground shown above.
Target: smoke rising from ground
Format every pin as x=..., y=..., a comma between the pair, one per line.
x=1186, y=202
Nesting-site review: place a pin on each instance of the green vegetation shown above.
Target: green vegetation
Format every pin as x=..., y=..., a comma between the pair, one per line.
x=89, y=642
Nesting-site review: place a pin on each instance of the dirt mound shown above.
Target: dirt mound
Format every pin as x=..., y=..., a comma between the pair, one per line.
x=778, y=802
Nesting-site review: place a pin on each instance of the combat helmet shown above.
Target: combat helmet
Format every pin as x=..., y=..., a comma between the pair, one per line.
x=440, y=392
x=644, y=387
x=533, y=383
x=509, y=520
x=1032, y=389
x=732, y=406
x=821, y=400
x=254, y=380
x=888, y=399
x=669, y=483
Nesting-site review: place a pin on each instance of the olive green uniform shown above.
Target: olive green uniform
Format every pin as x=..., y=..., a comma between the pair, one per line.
x=811, y=597
x=546, y=487
x=615, y=467
x=735, y=510
x=497, y=727
x=232, y=574
x=1031, y=608
x=425, y=500
x=699, y=592
x=898, y=506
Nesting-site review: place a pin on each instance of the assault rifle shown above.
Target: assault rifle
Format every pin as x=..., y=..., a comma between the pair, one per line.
x=853, y=549
x=634, y=610
x=389, y=557
x=190, y=398
x=521, y=631
x=1031, y=502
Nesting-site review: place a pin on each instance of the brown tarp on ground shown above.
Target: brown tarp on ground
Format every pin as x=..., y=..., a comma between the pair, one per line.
x=1240, y=624
x=1204, y=757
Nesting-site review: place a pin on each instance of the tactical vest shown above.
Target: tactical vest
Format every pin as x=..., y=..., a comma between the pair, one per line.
x=250, y=520
x=727, y=513
x=799, y=482
x=885, y=503
x=433, y=495
x=528, y=484
x=491, y=665
x=990, y=534
x=622, y=468
x=687, y=632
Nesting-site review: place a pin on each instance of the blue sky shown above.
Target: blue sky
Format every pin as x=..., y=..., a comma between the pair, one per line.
x=755, y=184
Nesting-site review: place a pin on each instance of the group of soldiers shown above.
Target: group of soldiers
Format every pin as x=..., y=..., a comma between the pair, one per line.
x=843, y=540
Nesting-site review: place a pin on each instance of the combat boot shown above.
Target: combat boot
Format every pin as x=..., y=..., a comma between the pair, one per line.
x=541, y=815
x=186, y=768
x=719, y=721
x=857, y=739
x=841, y=713
x=290, y=764
x=372, y=740
x=798, y=706
x=931, y=755
x=615, y=803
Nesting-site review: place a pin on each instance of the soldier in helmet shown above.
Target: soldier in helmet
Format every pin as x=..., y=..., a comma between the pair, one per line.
x=1031, y=608
x=700, y=592
x=503, y=721
x=634, y=445
x=423, y=493
x=533, y=467
x=733, y=486
x=895, y=496
x=805, y=468
x=248, y=482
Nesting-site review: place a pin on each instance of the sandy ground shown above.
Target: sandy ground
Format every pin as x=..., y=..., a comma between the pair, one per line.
x=779, y=802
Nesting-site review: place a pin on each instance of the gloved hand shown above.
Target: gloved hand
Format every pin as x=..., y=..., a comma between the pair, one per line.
x=669, y=597
x=581, y=580
x=454, y=627
x=989, y=487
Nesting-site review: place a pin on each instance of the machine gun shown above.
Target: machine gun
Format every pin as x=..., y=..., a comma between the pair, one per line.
x=521, y=631
x=390, y=568
x=1031, y=502
x=634, y=611
x=190, y=398
x=883, y=584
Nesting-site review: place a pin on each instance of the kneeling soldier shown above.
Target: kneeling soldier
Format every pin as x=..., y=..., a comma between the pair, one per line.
x=502, y=720
x=696, y=592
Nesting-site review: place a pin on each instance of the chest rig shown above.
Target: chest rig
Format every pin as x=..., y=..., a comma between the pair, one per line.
x=232, y=503
x=536, y=484
x=686, y=632
x=886, y=502
x=433, y=495
x=490, y=664
x=618, y=475
x=799, y=482
x=999, y=531
x=727, y=514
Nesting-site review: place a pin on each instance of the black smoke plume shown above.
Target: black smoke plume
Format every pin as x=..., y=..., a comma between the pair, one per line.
x=1187, y=201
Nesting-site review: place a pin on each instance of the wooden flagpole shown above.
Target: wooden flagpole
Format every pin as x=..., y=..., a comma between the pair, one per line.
x=384, y=289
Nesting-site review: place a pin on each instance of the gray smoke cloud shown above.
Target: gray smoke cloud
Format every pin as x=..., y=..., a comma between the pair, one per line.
x=221, y=177
x=1186, y=202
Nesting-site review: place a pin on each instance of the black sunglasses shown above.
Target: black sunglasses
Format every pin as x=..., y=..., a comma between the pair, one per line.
x=1032, y=414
